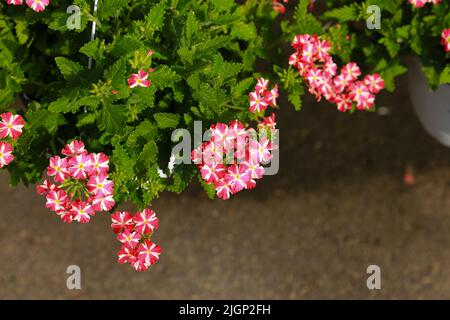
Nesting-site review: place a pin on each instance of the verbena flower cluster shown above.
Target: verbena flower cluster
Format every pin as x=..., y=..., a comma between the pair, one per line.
x=134, y=232
x=232, y=160
x=36, y=5
x=262, y=97
x=10, y=129
x=315, y=64
x=80, y=184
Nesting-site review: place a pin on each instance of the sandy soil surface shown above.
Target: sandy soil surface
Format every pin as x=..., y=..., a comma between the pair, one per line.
x=337, y=205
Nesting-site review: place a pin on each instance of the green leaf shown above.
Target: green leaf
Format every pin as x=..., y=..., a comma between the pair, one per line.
x=164, y=77
x=343, y=14
x=208, y=187
x=146, y=130
x=149, y=153
x=94, y=49
x=167, y=120
x=112, y=118
x=68, y=67
x=445, y=76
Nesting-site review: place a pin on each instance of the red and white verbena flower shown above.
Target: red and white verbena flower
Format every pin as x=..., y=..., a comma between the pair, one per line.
x=15, y=2
x=80, y=184
x=232, y=159
x=6, y=155
x=135, y=232
x=445, y=39
x=38, y=5
x=422, y=3
x=315, y=64
x=139, y=80
x=11, y=126
x=10, y=130
x=262, y=97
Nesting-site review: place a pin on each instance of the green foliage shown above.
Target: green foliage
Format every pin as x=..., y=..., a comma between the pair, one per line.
x=404, y=31
x=204, y=61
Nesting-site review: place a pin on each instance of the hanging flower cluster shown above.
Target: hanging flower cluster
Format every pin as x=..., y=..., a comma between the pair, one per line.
x=422, y=3
x=81, y=186
x=262, y=97
x=134, y=232
x=445, y=39
x=10, y=129
x=316, y=65
x=232, y=159
x=36, y=5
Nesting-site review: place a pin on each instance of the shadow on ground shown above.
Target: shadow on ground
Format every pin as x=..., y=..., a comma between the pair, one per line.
x=337, y=205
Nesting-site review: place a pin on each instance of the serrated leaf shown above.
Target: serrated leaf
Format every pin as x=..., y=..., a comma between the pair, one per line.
x=68, y=67
x=164, y=77
x=167, y=120
x=112, y=118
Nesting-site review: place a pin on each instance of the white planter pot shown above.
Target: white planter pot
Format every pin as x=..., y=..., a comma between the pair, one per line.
x=432, y=108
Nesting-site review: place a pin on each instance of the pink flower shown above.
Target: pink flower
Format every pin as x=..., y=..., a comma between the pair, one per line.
x=65, y=215
x=103, y=203
x=11, y=125
x=341, y=83
x=38, y=5
x=139, y=265
x=359, y=92
x=315, y=77
x=94, y=192
x=344, y=102
x=351, y=71
x=80, y=166
x=100, y=163
x=100, y=186
x=260, y=151
x=262, y=86
x=127, y=255
x=445, y=39
x=74, y=148
x=121, y=221
x=272, y=96
x=294, y=59
x=139, y=79
x=279, y=7
x=82, y=211
x=374, y=82
x=213, y=152
x=46, y=187
x=129, y=238
x=421, y=3
x=257, y=102
x=237, y=178
x=322, y=49
x=6, y=155
x=223, y=189
x=58, y=168
x=212, y=172
x=146, y=221
x=56, y=200
x=148, y=253
x=268, y=122
x=15, y=2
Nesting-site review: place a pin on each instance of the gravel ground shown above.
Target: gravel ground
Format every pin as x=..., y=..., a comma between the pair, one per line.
x=338, y=204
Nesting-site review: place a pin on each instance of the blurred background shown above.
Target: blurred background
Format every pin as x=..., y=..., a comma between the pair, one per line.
x=340, y=202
